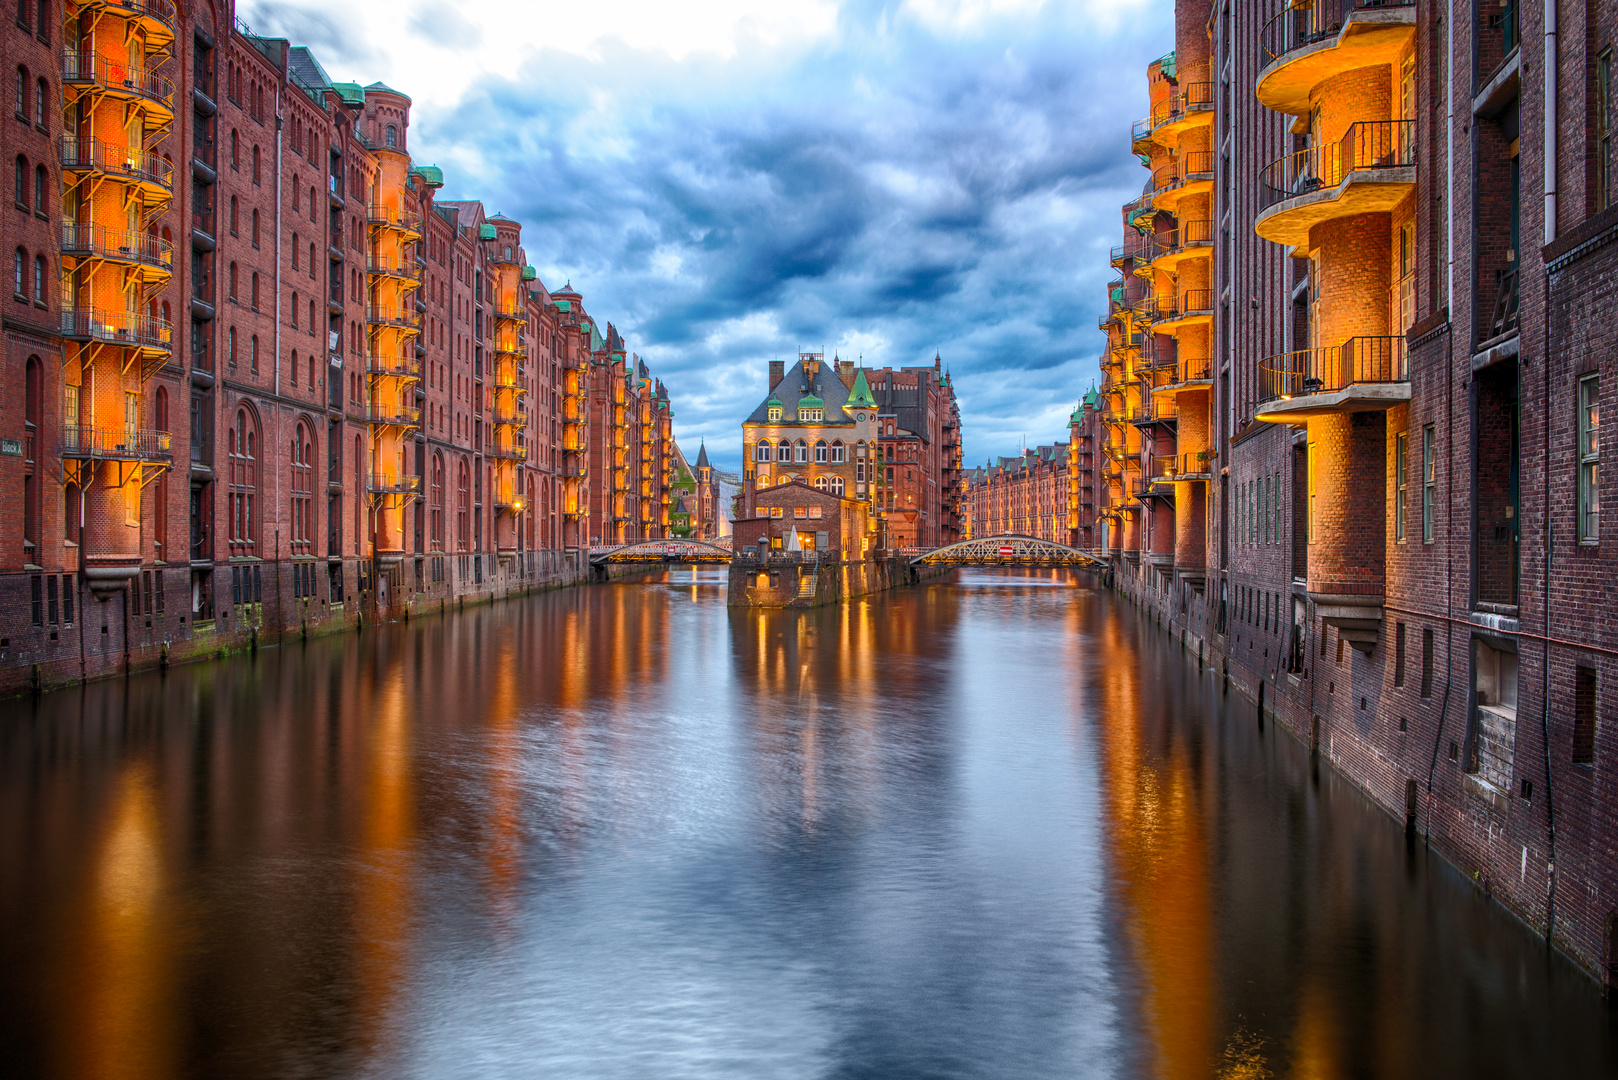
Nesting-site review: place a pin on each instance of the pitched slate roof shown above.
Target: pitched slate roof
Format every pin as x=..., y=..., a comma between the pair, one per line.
x=794, y=387
x=702, y=457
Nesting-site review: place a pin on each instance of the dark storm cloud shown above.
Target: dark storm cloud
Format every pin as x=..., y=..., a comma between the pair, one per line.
x=928, y=190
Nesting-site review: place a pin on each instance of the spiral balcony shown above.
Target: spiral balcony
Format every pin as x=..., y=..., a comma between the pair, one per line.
x=1189, y=174
x=1306, y=44
x=1191, y=307
x=1189, y=105
x=1371, y=169
x=1364, y=374
x=84, y=156
x=1168, y=248
x=151, y=257
x=90, y=73
x=155, y=17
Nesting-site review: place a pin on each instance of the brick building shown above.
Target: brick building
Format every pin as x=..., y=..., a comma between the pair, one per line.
x=1348, y=443
x=1025, y=495
x=267, y=380
x=891, y=438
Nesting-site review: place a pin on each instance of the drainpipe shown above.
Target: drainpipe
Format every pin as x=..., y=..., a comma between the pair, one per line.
x=277, y=344
x=1449, y=164
x=1550, y=550
x=1551, y=117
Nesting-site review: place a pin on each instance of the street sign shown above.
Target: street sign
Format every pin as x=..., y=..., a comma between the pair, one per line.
x=1005, y=551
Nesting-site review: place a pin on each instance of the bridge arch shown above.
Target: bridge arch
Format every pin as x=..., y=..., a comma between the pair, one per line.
x=661, y=551
x=1008, y=549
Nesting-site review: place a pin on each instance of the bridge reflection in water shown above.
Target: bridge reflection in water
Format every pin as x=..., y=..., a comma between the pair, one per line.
x=993, y=828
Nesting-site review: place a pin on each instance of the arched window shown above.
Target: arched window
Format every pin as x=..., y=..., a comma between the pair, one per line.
x=230, y=347
x=295, y=205
x=761, y=452
x=33, y=385
x=296, y=244
x=39, y=279
x=294, y=311
x=463, y=507
x=820, y=483
x=42, y=90
x=508, y=252
x=22, y=85
x=303, y=488
x=437, y=523
x=42, y=187
x=311, y=330
x=233, y=279
x=255, y=228
x=256, y=173
x=293, y=367
x=22, y=182
x=784, y=451
x=821, y=452
x=233, y=215
x=243, y=506
x=839, y=453
x=252, y=355
x=835, y=485
x=803, y=452
x=19, y=271
x=235, y=149
x=391, y=136
x=255, y=276
x=311, y=264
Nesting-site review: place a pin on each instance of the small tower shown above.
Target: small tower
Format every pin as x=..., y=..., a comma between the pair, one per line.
x=707, y=523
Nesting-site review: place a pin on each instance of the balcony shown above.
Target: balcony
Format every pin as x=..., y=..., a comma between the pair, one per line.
x=1308, y=43
x=1189, y=105
x=1187, y=466
x=146, y=332
x=400, y=221
x=1363, y=374
x=1371, y=169
x=151, y=256
x=393, y=367
x=148, y=172
x=150, y=92
x=1188, y=374
x=393, y=485
x=1191, y=308
x=156, y=17
x=403, y=318
x=86, y=443
x=1140, y=136
x=1189, y=174
x=385, y=415
x=507, y=311
x=404, y=270
x=1168, y=248
x=509, y=418
x=508, y=453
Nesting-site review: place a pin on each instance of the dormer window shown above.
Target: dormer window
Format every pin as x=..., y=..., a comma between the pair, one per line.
x=811, y=415
x=775, y=414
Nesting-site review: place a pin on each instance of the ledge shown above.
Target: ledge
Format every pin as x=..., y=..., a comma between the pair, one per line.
x=1500, y=351
x=1501, y=88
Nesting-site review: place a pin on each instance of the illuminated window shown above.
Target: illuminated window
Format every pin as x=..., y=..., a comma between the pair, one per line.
x=1589, y=460
x=803, y=452
x=775, y=413
x=822, y=452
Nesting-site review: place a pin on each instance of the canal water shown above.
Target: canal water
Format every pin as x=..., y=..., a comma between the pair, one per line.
x=997, y=826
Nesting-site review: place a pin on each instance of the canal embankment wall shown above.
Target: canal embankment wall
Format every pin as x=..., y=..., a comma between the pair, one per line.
x=1398, y=723
x=160, y=620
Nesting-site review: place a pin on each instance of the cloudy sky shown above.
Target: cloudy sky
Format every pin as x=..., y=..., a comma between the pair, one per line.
x=729, y=181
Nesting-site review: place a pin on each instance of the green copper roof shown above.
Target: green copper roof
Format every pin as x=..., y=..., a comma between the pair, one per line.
x=860, y=396
x=774, y=402
x=810, y=401
x=564, y=305
x=486, y=231
x=351, y=93
x=1165, y=64
x=431, y=175
x=529, y=273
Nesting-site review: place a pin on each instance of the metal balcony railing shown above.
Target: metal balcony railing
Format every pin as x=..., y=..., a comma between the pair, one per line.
x=116, y=444
x=116, y=245
x=396, y=367
x=1299, y=26
x=160, y=10
x=388, y=217
x=81, y=67
x=1140, y=129
x=1196, y=163
x=1182, y=99
x=393, y=485
x=1169, y=241
x=117, y=327
x=1379, y=359
x=83, y=153
x=1367, y=145
x=393, y=415
x=384, y=316
x=405, y=268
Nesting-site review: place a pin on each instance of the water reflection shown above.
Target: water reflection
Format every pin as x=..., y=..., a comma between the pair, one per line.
x=998, y=827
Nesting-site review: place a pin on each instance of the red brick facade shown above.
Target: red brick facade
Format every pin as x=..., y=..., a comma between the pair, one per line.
x=292, y=389
x=1383, y=415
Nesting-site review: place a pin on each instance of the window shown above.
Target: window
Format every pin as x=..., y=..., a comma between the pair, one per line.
x=822, y=452
x=438, y=503
x=839, y=453
x=234, y=206
x=19, y=272
x=39, y=280
x=252, y=355
x=391, y=136
x=463, y=506
x=761, y=452
x=21, y=192
x=1584, y=716
x=775, y=413
x=235, y=151
x=255, y=292
x=1589, y=460
x=1429, y=459
x=255, y=228
x=784, y=451
x=243, y=446
x=1427, y=662
x=293, y=367
x=1398, y=654
x=232, y=281
x=256, y=177
x=42, y=91
x=1400, y=449
x=803, y=452
x=296, y=243
x=1603, y=192
x=42, y=186
x=294, y=307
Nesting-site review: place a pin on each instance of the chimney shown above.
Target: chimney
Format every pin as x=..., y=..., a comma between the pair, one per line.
x=845, y=371
x=777, y=373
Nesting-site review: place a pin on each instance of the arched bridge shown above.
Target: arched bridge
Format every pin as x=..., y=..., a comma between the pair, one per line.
x=661, y=551
x=1007, y=550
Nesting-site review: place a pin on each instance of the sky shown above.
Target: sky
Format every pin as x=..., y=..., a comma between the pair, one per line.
x=732, y=181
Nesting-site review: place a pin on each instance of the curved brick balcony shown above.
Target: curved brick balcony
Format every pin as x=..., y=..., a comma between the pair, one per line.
x=147, y=172
x=1363, y=374
x=1168, y=248
x=86, y=72
x=1306, y=44
x=1191, y=307
x=1190, y=105
x=1371, y=169
x=1189, y=174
